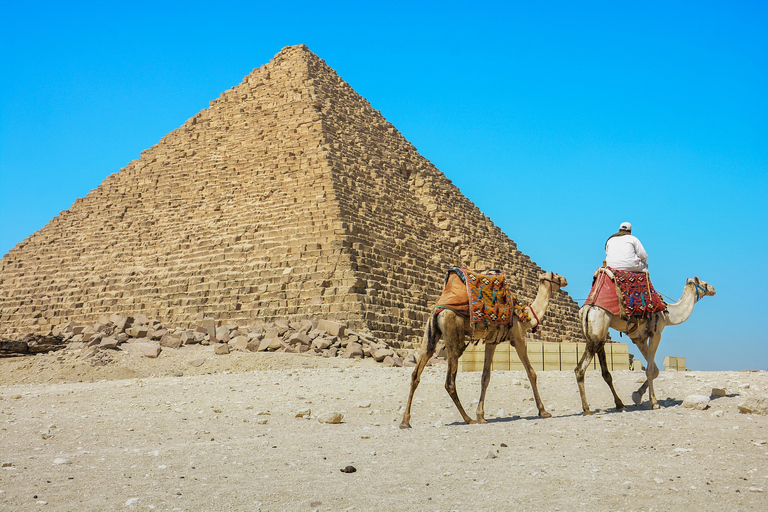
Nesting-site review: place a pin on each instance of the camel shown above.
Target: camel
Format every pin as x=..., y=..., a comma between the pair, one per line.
x=454, y=328
x=646, y=334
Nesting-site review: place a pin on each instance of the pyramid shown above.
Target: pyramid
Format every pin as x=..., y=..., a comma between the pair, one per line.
x=289, y=197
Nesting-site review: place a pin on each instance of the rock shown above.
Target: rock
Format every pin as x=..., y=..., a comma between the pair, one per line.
x=137, y=331
x=298, y=337
x=491, y=455
x=393, y=361
x=331, y=417
x=718, y=392
x=157, y=334
x=304, y=413
x=321, y=343
x=208, y=326
x=196, y=362
x=754, y=405
x=699, y=402
x=221, y=349
x=109, y=342
x=348, y=469
x=239, y=343
x=270, y=344
x=61, y=460
x=170, y=341
x=188, y=338
x=353, y=350
x=381, y=353
x=152, y=351
x=222, y=334
x=332, y=328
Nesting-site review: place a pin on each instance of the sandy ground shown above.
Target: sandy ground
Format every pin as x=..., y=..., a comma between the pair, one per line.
x=194, y=431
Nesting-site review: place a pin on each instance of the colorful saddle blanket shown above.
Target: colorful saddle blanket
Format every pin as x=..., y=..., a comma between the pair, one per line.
x=482, y=297
x=626, y=294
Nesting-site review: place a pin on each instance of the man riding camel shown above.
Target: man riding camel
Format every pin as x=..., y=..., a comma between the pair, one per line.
x=625, y=252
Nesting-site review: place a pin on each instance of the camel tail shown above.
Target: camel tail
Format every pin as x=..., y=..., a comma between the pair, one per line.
x=431, y=334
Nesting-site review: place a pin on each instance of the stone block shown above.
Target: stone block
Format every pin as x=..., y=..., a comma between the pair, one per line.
x=332, y=328
x=353, y=350
x=151, y=351
x=298, y=338
x=170, y=341
x=239, y=343
x=109, y=342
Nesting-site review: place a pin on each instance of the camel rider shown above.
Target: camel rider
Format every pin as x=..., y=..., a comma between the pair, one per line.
x=625, y=252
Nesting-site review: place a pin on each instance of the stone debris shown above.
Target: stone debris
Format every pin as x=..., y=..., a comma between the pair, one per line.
x=97, y=342
x=331, y=417
x=699, y=402
x=314, y=337
x=754, y=405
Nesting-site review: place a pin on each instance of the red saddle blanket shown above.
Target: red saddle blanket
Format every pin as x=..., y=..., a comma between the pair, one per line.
x=483, y=297
x=626, y=294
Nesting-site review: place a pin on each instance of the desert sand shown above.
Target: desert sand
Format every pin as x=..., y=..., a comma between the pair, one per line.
x=195, y=431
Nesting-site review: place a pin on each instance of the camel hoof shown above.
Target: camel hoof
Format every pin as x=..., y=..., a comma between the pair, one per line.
x=480, y=419
x=654, y=406
x=544, y=414
x=620, y=406
x=637, y=398
x=405, y=425
x=587, y=412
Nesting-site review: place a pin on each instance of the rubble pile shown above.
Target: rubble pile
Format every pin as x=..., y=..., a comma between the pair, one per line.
x=315, y=337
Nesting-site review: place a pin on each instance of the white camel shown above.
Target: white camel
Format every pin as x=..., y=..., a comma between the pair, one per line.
x=646, y=334
x=454, y=329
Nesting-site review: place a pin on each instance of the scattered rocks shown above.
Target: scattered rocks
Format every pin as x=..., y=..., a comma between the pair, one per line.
x=316, y=337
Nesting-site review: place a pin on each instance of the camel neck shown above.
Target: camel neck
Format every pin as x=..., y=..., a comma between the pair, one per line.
x=541, y=302
x=682, y=309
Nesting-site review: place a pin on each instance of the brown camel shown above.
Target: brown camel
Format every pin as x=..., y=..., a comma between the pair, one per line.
x=646, y=334
x=454, y=329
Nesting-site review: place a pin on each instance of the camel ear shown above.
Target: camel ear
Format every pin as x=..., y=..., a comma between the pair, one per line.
x=696, y=280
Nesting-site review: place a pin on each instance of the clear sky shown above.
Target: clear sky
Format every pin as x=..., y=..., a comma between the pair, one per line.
x=558, y=119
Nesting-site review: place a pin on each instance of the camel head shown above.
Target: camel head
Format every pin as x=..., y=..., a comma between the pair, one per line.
x=702, y=288
x=555, y=279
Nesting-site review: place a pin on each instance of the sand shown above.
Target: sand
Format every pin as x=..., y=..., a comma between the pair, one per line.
x=194, y=431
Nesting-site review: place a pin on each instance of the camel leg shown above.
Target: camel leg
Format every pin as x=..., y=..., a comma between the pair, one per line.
x=607, y=376
x=450, y=384
x=424, y=357
x=652, y=371
x=522, y=353
x=581, y=370
x=490, y=349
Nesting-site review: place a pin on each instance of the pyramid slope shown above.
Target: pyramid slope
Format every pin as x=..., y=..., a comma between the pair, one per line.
x=290, y=196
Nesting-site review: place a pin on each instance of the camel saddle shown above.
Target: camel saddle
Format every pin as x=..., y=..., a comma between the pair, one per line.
x=629, y=295
x=481, y=296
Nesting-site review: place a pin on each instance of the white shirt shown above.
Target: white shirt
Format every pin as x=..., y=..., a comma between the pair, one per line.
x=625, y=253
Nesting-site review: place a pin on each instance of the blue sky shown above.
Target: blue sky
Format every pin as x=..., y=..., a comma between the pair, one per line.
x=559, y=120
